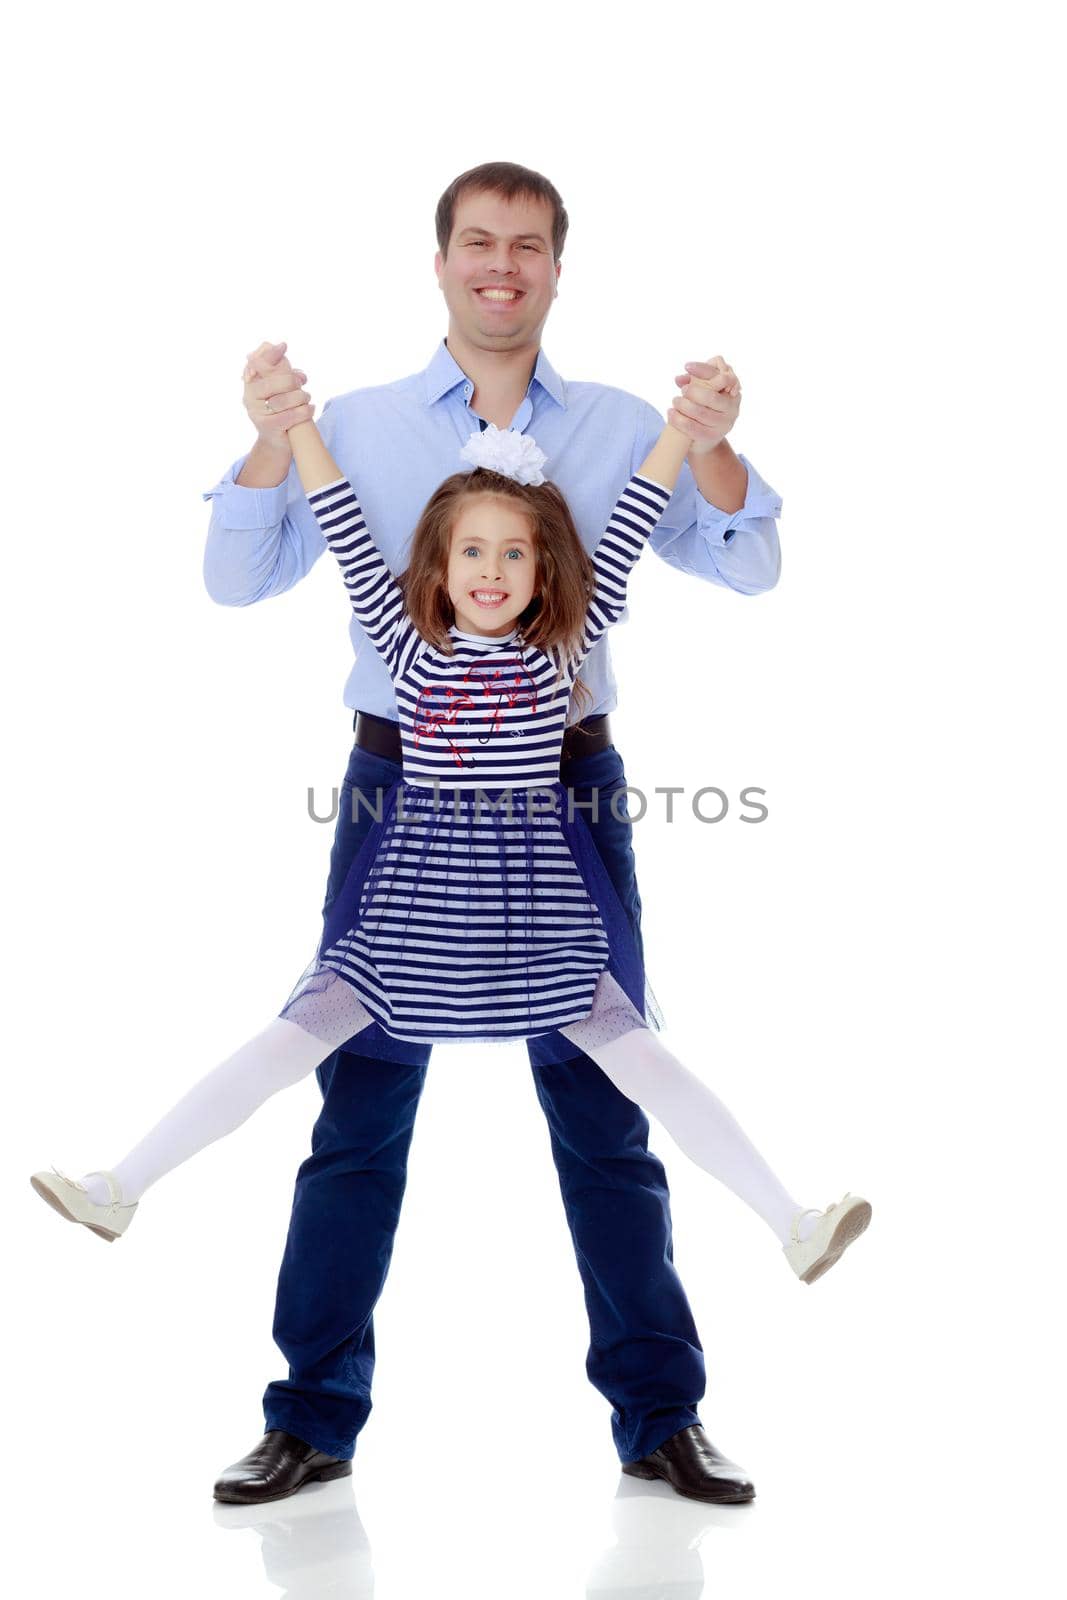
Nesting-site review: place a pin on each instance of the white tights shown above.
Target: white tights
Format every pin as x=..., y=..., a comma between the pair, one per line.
x=613, y=1035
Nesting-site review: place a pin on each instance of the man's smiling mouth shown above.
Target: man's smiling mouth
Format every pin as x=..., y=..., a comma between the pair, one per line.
x=500, y=297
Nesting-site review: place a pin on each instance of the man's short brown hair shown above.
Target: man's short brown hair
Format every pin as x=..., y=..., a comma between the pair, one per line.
x=512, y=183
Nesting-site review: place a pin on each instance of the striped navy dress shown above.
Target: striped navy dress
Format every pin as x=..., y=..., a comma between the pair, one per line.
x=478, y=907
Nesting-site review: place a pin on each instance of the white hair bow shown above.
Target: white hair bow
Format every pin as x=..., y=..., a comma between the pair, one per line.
x=506, y=451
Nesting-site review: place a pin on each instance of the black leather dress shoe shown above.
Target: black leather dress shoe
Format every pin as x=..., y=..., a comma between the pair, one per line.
x=693, y=1467
x=279, y=1465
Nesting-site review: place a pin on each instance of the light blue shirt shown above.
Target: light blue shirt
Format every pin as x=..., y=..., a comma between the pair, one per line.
x=397, y=442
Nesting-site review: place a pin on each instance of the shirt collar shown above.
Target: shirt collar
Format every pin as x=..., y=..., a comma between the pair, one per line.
x=445, y=373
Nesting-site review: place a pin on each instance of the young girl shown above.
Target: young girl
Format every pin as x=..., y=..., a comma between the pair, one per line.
x=478, y=908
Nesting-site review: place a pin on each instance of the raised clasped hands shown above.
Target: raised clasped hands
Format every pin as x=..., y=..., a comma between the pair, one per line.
x=708, y=405
x=705, y=409
x=268, y=375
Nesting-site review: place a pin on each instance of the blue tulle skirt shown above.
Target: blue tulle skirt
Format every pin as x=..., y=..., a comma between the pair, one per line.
x=477, y=915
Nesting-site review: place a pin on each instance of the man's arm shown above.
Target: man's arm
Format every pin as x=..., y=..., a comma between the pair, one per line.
x=737, y=547
x=266, y=465
x=263, y=538
x=721, y=477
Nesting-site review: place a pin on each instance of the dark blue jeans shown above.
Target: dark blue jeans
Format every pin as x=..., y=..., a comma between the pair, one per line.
x=645, y=1356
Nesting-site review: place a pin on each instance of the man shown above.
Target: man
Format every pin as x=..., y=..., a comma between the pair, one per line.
x=501, y=230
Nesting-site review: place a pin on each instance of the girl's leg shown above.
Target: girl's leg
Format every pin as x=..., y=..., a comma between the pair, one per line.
x=318, y=1019
x=616, y=1038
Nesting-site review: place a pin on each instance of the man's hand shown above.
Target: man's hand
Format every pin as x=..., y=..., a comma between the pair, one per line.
x=708, y=406
x=268, y=376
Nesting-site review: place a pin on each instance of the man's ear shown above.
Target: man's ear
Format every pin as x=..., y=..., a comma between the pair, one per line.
x=438, y=263
x=559, y=269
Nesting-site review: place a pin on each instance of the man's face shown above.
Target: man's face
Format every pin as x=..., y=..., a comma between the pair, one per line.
x=499, y=277
x=492, y=566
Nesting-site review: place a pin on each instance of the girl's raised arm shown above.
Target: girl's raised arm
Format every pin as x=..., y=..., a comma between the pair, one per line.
x=314, y=462
x=663, y=462
x=637, y=510
x=376, y=597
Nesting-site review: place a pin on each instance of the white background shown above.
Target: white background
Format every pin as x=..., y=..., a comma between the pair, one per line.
x=854, y=207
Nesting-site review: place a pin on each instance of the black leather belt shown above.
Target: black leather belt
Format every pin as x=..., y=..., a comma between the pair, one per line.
x=381, y=737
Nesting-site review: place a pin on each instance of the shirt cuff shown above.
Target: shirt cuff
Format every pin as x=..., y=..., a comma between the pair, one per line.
x=761, y=502
x=242, y=508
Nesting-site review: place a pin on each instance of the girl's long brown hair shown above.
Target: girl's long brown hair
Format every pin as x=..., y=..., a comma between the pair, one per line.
x=554, y=619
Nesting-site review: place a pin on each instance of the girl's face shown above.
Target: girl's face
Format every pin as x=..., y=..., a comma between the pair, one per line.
x=492, y=566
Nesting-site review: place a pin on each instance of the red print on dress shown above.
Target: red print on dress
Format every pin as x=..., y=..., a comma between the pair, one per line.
x=440, y=704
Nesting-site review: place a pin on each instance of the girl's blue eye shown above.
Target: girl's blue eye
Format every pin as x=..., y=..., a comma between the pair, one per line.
x=471, y=550
x=517, y=553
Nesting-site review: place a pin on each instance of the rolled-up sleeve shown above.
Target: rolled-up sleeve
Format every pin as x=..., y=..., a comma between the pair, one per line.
x=739, y=549
x=260, y=542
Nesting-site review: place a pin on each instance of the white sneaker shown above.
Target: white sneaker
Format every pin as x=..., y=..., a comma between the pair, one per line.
x=72, y=1201
x=835, y=1230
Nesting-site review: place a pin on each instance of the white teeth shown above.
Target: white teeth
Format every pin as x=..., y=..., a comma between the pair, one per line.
x=485, y=599
x=497, y=294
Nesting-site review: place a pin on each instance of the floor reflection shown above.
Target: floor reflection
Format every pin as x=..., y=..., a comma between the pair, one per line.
x=314, y=1545
x=658, y=1534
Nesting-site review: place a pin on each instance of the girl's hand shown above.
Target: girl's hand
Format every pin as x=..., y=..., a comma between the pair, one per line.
x=708, y=407
x=268, y=376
